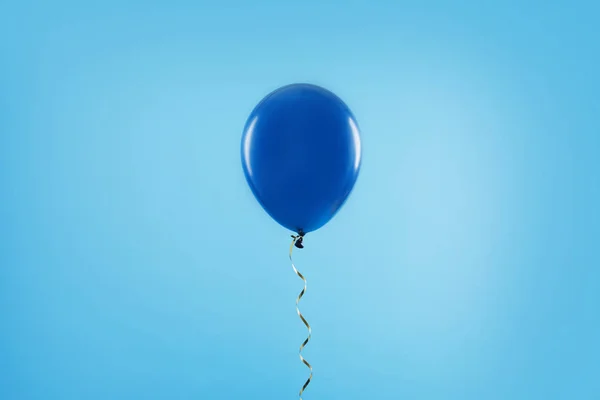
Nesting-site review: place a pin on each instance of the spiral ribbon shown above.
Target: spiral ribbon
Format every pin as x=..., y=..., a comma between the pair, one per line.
x=297, y=241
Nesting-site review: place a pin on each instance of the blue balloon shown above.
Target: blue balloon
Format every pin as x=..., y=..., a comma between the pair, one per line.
x=301, y=154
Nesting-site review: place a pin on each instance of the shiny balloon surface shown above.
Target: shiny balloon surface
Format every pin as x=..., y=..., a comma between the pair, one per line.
x=301, y=154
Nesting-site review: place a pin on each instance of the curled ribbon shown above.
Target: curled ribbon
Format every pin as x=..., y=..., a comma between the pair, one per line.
x=297, y=241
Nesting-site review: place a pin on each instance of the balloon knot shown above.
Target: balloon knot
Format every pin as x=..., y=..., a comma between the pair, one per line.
x=298, y=239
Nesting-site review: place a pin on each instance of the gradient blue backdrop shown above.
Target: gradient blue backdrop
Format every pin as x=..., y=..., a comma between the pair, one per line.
x=135, y=263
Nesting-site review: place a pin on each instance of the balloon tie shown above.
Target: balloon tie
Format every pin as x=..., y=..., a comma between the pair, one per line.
x=297, y=241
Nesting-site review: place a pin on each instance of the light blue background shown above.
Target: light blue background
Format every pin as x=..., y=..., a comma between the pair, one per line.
x=135, y=263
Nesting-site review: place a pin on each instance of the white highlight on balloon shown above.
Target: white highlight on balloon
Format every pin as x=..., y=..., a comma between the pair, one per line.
x=247, y=142
x=356, y=139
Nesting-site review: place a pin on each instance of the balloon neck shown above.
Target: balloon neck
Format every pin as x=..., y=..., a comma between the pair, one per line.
x=299, y=239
